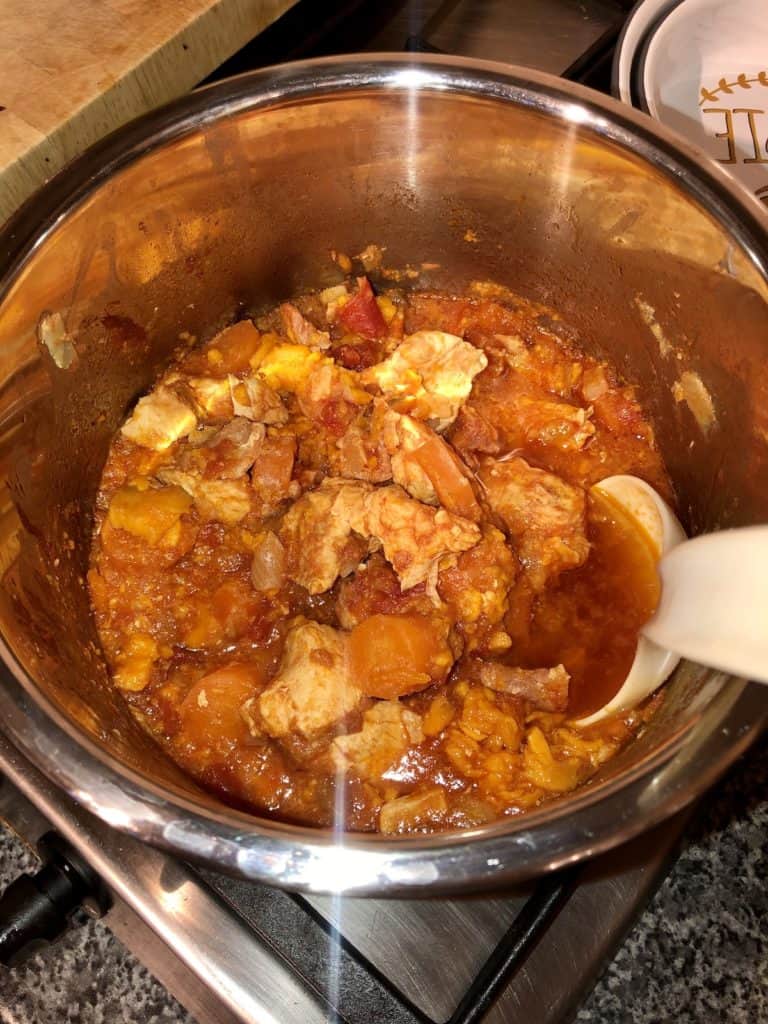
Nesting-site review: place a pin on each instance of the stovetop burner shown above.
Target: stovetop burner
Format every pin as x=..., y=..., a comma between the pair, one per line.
x=231, y=950
x=236, y=951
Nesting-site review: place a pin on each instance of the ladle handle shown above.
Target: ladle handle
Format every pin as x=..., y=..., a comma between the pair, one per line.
x=714, y=601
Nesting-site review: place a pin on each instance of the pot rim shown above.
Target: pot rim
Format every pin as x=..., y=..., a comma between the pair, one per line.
x=299, y=857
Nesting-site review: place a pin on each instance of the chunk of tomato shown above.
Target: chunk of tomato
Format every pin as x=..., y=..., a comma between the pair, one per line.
x=361, y=315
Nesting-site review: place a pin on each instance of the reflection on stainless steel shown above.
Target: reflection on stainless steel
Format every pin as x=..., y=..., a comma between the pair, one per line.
x=233, y=197
x=19, y=814
x=409, y=941
x=250, y=979
x=431, y=950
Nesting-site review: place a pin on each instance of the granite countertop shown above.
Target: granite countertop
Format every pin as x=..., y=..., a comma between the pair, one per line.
x=699, y=953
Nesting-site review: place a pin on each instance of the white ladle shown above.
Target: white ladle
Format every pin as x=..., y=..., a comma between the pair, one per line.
x=713, y=607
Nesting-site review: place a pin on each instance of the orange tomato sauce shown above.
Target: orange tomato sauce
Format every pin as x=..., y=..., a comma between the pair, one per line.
x=591, y=618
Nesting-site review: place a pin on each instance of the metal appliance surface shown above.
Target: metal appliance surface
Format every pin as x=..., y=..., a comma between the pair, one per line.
x=236, y=951
x=215, y=203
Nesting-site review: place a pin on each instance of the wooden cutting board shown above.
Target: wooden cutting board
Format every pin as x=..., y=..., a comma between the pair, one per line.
x=73, y=70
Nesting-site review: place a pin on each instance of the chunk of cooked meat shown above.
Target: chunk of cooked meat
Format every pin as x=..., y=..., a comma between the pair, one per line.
x=402, y=436
x=223, y=501
x=218, y=399
x=374, y=589
x=361, y=453
x=388, y=732
x=415, y=537
x=416, y=813
x=323, y=533
x=272, y=471
x=382, y=445
x=312, y=689
x=302, y=331
x=423, y=462
x=543, y=514
x=476, y=589
x=254, y=399
x=227, y=453
x=429, y=375
x=542, y=361
x=331, y=398
x=545, y=688
x=473, y=434
x=310, y=375
x=159, y=420
x=319, y=530
x=268, y=563
x=553, y=423
x=211, y=397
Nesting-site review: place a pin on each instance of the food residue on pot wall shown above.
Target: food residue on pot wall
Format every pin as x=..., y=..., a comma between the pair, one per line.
x=690, y=388
x=52, y=333
x=648, y=313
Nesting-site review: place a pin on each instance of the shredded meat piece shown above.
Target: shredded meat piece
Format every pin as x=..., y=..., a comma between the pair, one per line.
x=542, y=362
x=300, y=330
x=429, y=375
x=554, y=423
x=361, y=453
x=254, y=399
x=414, y=536
x=218, y=399
x=318, y=533
x=402, y=436
x=476, y=589
x=545, y=688
x=595, y=383
x=543, y=514
x=389, y=730
x=386, y=445
x=374, y=589
x=211, y=397
x=159, y=419
x=473, y=434
x=331, y=398
x=312, y=689
x=227, y=453
x=272, y=471
x=318, y=528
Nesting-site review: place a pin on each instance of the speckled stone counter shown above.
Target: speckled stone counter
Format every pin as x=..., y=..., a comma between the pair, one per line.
x=698, y=954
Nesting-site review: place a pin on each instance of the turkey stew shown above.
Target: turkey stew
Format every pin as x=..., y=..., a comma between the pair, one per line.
x=347, y=569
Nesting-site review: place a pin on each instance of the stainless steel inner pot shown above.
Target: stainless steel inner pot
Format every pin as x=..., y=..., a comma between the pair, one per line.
x=232, y=198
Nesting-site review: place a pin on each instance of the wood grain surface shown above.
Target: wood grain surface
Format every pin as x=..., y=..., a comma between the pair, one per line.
x=73, y=70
